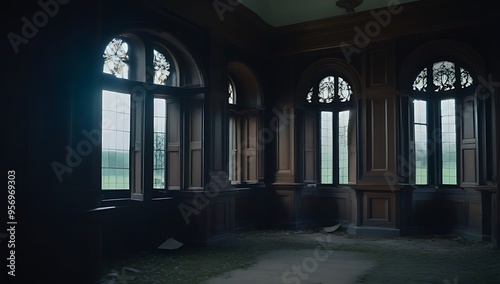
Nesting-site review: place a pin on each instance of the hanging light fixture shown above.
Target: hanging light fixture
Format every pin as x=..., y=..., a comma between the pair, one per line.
x=349, y=5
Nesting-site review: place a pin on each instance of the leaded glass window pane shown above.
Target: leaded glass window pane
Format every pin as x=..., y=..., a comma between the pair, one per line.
x=162, y=68
x=345, y=90
x=444, y=78
x=343, y=147
x=160, y=133
x=310, y=96
x=327, y=90
x=448, y=142
x=334, y=148
x=232, y=95
x=420, y=83
x=465, y=78
x=326, y=147
x=115, y=140
x=443, y=74
x=116, y=58
x=420, y=128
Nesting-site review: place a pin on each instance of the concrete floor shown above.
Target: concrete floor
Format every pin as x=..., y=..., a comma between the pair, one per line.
x=303, y=266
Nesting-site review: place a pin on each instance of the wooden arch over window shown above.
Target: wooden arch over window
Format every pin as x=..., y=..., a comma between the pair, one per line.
x=247, y=84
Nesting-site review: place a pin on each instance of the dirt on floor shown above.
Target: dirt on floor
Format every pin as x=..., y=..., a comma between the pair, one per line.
x=426, y=259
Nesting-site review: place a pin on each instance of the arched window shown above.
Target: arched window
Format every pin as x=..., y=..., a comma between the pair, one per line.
x=329, y=90
x=244, y=155
x=438, y=106
x=150, y=121
x=330, y=102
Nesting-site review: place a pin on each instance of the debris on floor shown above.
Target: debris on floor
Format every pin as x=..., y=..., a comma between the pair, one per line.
x=131, y=269
x=120, y=278
x=331, y=229
x=171, y=244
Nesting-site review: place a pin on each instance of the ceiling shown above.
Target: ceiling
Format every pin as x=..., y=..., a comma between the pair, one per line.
x=286, y=12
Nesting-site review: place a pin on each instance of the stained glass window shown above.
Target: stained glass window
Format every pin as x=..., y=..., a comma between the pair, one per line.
x=327, y=90
x=231, y=93
x=420, y=83
x=134, y=65
x=444, y=77
x=344, y=90
x=115, y=59
x=310, y=95
x=331, y=88
x=333, y=128
x=465, y=78
x=162, y=68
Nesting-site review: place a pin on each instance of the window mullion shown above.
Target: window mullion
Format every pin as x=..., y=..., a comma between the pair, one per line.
x=458, y=141
x=316, y=93
x=148, y=147
x=137, y=146
x=437, y=139
x=165, y=150
x=238, y=168
x=430, y=79
x=336, y=146
x=433, y=133
x=412, y=177
x=149, y=64
x=458, y=77
x=335, y=131
x=317, y=174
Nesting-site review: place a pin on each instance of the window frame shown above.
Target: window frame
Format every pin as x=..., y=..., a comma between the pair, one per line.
x=335, y=107
x=143, y=91
x=433, y=101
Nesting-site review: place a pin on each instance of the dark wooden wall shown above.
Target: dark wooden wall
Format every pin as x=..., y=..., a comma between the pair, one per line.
x=52, y=85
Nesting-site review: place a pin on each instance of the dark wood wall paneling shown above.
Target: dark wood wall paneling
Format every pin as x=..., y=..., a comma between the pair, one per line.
x=49, y=87
x=59, y=110
x=296, y=46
